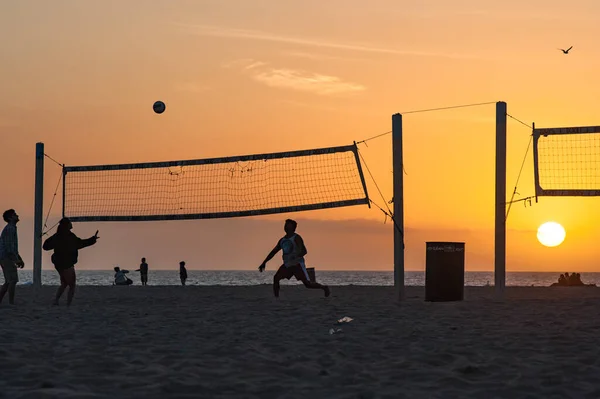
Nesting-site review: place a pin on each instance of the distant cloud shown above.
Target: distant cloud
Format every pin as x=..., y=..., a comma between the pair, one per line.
x=233, y=33
x=310, y=82
x=311, y=56
x=295, y=79
x=244, y=63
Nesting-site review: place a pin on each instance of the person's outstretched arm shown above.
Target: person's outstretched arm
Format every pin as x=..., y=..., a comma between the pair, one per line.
x=269, y=257
x=87, y=242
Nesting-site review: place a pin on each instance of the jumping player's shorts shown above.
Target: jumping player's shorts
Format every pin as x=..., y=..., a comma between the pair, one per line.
x=9, y=269
x=298, y=271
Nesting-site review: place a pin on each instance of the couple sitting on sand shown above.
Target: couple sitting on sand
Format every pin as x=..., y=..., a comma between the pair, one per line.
x=573, y=280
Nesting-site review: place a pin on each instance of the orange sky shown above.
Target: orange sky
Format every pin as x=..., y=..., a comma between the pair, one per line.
x=242, y=77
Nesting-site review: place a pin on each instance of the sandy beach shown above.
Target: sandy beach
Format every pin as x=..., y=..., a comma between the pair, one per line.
x=239, y=342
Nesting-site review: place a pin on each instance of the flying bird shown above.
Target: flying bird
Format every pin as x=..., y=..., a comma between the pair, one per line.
x=566, y=51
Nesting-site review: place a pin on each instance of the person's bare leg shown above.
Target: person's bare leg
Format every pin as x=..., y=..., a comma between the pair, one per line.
x=71, y=279
x=61, y=288
x=3, y=291
x=11, y=293
x=310, y=284
x=71, y=293
x=60, y=291
x=276, y=286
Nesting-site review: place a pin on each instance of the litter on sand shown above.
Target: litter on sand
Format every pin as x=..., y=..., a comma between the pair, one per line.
x=345, y=319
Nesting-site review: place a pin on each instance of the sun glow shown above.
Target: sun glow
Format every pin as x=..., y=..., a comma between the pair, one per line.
x=551, y=234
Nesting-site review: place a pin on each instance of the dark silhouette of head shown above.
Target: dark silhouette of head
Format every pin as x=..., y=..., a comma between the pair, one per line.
x=182, y=263
x=64, y=226
x=290, y=226
x=143, y=259
x=117, y=268
x=10, y=215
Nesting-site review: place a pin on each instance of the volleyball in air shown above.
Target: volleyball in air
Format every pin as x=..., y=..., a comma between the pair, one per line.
x=159, y=107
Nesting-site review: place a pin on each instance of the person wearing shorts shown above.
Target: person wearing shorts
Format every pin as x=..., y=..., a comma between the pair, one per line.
x=10, y=260
x=66, y=246
x=294, y=250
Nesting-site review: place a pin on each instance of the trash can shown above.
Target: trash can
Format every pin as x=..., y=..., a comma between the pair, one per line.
x=444, y=271
x=311, y=274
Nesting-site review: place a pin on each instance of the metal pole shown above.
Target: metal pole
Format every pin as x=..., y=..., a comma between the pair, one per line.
x=38, y=214
x=500, y=206
x=64, y=188
x=398, y=205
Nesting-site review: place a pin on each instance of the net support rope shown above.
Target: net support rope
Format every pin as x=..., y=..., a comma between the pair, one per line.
x=528, y=199
x=44, y=230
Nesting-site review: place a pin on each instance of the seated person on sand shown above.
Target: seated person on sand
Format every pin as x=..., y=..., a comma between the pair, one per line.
x=121, y=278
x=575, y=279
x=570, y=280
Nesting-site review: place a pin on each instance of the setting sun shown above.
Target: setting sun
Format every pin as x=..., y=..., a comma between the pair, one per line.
x=551, y=234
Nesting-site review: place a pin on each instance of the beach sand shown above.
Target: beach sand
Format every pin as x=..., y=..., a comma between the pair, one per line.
x=239, y=342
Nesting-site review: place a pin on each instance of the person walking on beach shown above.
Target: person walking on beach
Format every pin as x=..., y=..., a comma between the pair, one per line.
x=182, y=272
x=143, y=272
x=10, y=260
x=294, y=250
x=66, y=246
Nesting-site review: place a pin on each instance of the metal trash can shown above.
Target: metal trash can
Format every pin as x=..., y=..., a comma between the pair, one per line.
x=311, y=274
x=444, y=271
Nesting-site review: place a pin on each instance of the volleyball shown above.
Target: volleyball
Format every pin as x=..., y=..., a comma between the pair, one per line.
x=159, y=107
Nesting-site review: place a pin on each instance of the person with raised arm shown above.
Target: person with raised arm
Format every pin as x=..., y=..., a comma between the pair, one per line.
x=66, y=246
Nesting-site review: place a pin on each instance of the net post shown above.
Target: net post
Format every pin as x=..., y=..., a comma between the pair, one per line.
x=536, y=171
x=64, y=188
x=38, y=214
x=360, y=173
x=500, y=203
x=398, y=206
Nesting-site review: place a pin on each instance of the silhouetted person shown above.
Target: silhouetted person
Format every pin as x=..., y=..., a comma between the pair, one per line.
x=10, y=260
x=182, y=272
x=562, y=280
x=66, y=246
x=572, y=279
x=143, y=272
x=121, y=278
x=294, y=250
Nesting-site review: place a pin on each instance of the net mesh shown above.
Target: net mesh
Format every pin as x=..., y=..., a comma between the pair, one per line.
x=226, y=187
x=569, y=162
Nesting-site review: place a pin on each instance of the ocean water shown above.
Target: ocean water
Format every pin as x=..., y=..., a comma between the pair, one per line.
x=249, y=277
